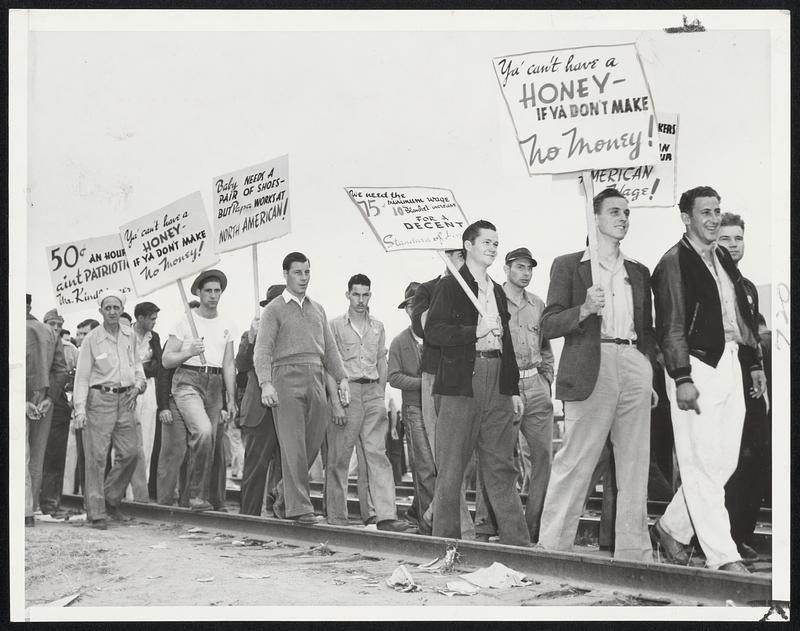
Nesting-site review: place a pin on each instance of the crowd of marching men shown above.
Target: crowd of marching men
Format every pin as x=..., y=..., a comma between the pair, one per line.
x=149, y=415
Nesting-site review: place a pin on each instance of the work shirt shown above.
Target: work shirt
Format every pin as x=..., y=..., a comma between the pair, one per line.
x=486, y=298
x=361, y=351
x=105, y=361
x=731, y=318
x=531, y=350
x=143, y=345
x=617, y=314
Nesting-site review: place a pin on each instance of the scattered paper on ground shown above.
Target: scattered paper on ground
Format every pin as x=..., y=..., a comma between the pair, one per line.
x=497, y=576
x=63, y=602
x=206, y=579
x=248, y=575
x=159, y=546
x=402, y=581
x=195, y=529
x=458, y=588
x=445, y=564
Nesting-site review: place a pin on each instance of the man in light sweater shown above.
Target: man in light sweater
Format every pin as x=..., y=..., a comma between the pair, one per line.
x=294, y=349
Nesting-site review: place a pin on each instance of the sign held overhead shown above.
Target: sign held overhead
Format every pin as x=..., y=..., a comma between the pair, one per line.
x=583, y=108
x=411, y=217
x=251, y=205
x=169, y=244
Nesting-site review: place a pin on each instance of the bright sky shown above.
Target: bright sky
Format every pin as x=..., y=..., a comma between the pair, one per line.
x=123, y=119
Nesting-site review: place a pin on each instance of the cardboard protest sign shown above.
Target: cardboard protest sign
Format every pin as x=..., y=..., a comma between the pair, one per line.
x=81, y=270
x=583, y=108
x=168, y=244
x=411, y=217
x=251, y=205
x=648, y=185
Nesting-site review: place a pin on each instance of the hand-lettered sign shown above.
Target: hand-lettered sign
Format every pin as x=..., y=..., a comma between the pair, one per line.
x=648, y=185
x=576, y=109
x=251, y=205
x=411, y=217
x=81, y=270
x=168, y=244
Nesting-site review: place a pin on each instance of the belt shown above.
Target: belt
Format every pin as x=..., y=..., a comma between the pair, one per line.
x=494, y=353
x=528, y=372
x=617, y=340
x=212, y=370
x=364, y=380
x=112, y=390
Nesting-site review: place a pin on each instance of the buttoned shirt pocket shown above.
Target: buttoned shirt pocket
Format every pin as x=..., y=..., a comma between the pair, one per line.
x=350, y=350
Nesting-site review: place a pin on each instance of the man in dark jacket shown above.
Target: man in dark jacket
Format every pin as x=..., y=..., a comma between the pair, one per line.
x=477, y=380
x=704, y=324
x=261, y=447
x=605, y=380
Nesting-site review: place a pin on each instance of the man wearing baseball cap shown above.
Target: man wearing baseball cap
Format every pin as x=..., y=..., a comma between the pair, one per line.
x=204, y=374
x=108, y=379
x=535, y=362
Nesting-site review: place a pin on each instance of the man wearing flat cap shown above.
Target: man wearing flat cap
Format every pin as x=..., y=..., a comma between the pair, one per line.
x=405, y=354
x=204, y=391
x=535, y=362
x=258, y=426
x=108, y=379
x=55, y=454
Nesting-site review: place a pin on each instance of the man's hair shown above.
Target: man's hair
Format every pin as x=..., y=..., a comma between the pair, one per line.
x=209, y=279
x=606, y=193
x=125, y=314
x=294, y=257
x=145, y=309
x=193, y=304
x=358, y=279
x=686, y=202
x=90, y=322
x=66, y=332
x=473, y=230
x=731, y=219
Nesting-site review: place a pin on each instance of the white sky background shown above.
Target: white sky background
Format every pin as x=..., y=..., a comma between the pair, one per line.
x=121, y=123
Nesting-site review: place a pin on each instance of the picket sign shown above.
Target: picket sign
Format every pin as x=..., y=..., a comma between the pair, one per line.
x=188, y=311
x=591, y=225
x=250, y=206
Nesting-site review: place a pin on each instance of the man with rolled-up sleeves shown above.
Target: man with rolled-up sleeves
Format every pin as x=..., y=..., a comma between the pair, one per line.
x=108, y=379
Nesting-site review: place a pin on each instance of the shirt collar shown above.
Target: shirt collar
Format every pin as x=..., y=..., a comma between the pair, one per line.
x=586, y=256
x=289, y=296
x=414, y=335
x=525, y=294
x=125, y=330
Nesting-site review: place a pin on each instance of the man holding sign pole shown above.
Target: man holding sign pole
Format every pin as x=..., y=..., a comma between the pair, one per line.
x=605, y=380
x=198, y=388
x=477, y=380
x=294, y=349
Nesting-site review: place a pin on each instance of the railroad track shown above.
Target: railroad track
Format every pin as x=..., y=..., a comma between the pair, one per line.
x=660, y=582
x=588, y=528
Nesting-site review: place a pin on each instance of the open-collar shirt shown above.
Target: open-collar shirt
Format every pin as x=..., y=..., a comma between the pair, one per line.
x=617, y=314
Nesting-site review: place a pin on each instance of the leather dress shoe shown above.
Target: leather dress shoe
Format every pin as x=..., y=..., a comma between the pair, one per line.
x=424, y=527
x=116, y=514
x=220, y=509
x=748, y=554
x=307, y=519
x=372, y=520
x=393, y=525
x=734, y=566
x=199, y=504
x=482, y=536
x=673, y=550
x=99, y=524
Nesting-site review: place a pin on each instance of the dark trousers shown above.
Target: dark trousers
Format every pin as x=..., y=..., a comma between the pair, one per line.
x=80, y=465
x=260, y=449
x=152, y=476
x=484, y=421
x=55, y=456
x=396, y=455
x=745, y=488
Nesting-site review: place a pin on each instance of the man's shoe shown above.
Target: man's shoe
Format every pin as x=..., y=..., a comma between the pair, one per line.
x=307, y=519
x=748, y=554
x=372, y=520
x=198, y=504
x=115, y=513
x=30, y=522
x=220, y=509
x=393, y=525
x=482, y=536
x=424, y=527
x=99, y=524
x=734, y=566
x=673, y=550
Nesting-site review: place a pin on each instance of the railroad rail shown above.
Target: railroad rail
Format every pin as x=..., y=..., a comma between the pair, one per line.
x=661, y=581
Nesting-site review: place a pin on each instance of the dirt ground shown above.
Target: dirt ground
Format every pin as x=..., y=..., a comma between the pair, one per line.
x=144, y=564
